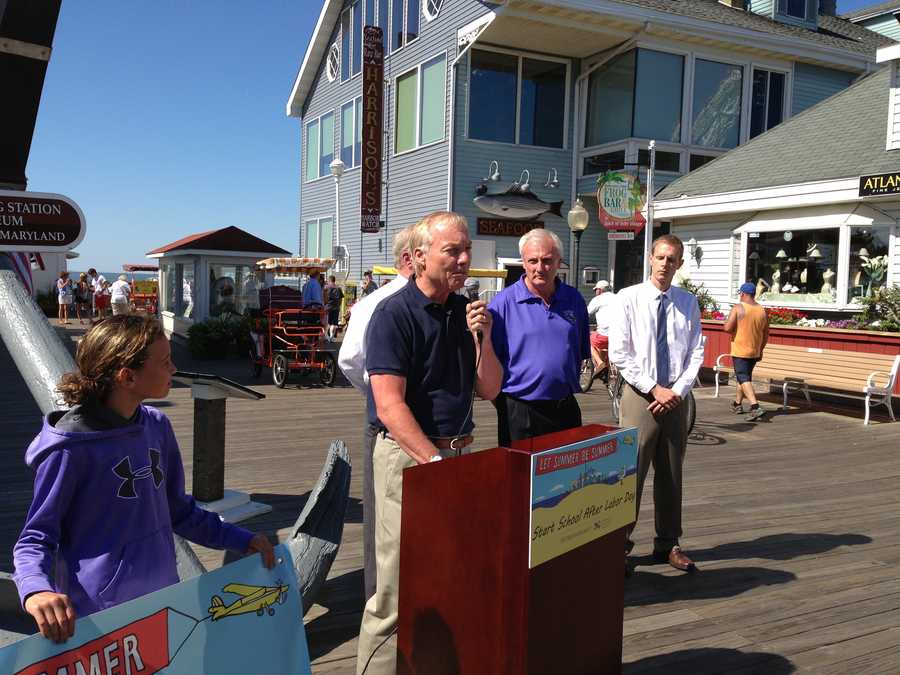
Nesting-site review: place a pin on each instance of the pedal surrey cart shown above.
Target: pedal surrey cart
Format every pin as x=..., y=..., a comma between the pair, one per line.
x=287, y=336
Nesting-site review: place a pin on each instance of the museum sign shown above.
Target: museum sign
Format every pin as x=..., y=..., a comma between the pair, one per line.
x=39, y=222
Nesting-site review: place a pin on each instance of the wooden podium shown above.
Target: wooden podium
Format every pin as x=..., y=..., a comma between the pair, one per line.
x=468, y=601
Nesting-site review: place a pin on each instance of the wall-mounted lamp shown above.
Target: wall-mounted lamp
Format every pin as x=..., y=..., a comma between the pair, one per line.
x=493, y=172
x=524, y=178
x=552, y=182
x=695, y=250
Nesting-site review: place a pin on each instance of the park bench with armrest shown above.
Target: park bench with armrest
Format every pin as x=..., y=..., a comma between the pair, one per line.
x=870, y=377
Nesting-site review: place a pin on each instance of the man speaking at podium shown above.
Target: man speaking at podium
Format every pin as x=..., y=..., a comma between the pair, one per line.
x=428, y=353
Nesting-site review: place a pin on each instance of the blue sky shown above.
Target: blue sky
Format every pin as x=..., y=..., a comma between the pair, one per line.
x=162, y=118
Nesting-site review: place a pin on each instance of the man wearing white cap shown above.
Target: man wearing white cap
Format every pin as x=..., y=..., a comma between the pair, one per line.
x=602, y=299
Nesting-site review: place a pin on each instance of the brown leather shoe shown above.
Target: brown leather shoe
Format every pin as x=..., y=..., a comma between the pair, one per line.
x=680, y=561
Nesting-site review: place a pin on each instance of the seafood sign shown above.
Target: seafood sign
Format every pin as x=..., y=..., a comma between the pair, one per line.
x=517, y=204
x=580, y=492
x=179, y=629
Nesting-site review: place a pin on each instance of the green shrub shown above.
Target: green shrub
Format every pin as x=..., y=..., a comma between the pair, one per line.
x=708, y=304
x=881, y=311
x=48, y=303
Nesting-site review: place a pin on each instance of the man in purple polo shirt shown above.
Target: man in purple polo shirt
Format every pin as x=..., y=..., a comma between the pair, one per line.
x=541, y=336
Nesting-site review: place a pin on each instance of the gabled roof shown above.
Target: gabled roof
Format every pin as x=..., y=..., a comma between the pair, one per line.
x=315, y=52
x=231, y=239
x=872, y=11
x=833, y=32
x=842, y=137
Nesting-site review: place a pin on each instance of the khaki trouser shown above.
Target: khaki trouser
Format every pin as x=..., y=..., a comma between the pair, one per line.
x=380, y=614
x=119, y=308
x=662, y=444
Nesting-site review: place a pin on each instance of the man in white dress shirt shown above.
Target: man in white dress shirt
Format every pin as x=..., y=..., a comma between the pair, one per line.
x=654, y=340
x=352, y=361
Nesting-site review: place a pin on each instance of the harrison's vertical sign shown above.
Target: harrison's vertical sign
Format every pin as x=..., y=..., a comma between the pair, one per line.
x=373, y=116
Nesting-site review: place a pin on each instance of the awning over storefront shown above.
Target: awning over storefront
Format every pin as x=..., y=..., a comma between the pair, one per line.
x=814, y=217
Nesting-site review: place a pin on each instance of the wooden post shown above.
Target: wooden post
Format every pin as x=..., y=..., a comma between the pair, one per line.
x=209, y=443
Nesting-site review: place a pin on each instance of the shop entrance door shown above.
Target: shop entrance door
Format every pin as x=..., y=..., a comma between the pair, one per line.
x=513, y=274
x=630, y=258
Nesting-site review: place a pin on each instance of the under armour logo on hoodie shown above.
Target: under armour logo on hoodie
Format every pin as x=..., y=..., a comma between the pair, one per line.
x=123, y=471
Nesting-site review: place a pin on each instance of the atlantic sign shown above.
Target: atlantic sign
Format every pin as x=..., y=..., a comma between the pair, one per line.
x=879, y=184
x=372, y=125
x=39, y=222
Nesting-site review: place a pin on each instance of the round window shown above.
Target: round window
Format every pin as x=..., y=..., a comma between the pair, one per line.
x=432, y=9
x=334, y=63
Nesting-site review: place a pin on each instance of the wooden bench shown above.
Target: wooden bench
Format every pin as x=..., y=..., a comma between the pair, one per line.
x=870, y=377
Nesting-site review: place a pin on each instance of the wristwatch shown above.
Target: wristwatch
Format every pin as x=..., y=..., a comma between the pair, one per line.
x=435, y=458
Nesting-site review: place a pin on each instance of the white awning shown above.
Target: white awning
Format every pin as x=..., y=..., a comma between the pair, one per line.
x=816, y=217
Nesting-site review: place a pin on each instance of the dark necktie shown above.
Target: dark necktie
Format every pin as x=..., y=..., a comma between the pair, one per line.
x=662, y=344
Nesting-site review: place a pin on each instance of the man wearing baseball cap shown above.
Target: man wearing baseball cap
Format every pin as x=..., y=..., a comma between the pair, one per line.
x=599, y=338
x=749, y=328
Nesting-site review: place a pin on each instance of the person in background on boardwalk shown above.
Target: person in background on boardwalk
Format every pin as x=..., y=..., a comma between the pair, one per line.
x=333, y=297
x=352, y=361
x=121, y=296
x=64, y=295
x=97, y=281
x=312, y=290
x=654, y=341
x=598, y=309
x=749, y=327
x=424, y=361
x=541, y=335
x=102, y=295
x=368, y=283
x=83, y=298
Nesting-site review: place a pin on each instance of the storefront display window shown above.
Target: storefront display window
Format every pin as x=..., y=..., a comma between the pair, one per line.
x=794, y=267
x=807, y=266
x=232, y=288
x=868, y=264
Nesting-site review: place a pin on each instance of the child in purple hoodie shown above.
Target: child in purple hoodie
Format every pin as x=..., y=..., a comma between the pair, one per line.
x=109, y=486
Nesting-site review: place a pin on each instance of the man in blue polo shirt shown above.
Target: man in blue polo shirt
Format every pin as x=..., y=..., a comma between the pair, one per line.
x=541, y=335
x=428, y=352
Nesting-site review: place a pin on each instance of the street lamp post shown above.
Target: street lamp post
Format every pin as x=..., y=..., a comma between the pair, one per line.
x=337, y=170
x=578, y=222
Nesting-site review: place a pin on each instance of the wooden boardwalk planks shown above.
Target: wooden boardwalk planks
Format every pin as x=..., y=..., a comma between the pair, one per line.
x=793, y=521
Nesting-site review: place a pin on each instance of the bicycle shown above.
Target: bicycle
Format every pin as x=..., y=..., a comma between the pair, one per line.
x=616, y=385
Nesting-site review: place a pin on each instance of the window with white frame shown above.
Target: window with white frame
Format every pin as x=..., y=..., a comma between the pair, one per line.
x=828, y=266
x=404, y=22
x=716, y=111
x=351, y=132
x=319, y=238
x=766, y=101
x=319, y=146
x=635, y=94
x=353, y=19
x=334, y=63
x=798, y=9
x=529, y=91
x=432, y=8
x=420, y=105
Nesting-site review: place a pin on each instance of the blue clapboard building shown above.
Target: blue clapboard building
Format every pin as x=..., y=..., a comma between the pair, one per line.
x=479, y=95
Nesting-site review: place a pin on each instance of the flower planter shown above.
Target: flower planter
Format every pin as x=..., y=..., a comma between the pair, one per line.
x=867, y=341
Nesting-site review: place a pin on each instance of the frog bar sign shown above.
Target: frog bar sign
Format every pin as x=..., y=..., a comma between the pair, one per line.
x=620, y=200
x=39, y=222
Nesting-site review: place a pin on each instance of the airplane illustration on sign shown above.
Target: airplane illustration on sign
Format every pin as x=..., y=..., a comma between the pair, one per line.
x=259, y=599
